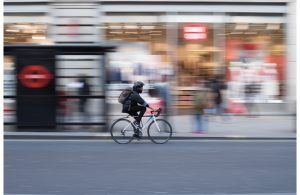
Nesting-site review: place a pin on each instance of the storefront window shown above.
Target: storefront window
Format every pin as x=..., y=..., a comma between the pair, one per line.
x=195, y=53
x=9, y=83
x=255, y=56
x=20, y=33
x=142, y=55
x=9, y=76
x=142, y=52
x=250, y=57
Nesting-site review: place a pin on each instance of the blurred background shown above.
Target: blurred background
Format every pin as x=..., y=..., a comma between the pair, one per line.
x=242, y=53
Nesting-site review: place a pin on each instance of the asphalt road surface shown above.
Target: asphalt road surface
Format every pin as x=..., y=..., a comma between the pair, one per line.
x=178, y=167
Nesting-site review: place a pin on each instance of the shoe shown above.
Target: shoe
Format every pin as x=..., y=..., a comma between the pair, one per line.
x=137, y=136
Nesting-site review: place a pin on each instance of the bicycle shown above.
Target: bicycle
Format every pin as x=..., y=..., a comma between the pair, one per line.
x=159, y=130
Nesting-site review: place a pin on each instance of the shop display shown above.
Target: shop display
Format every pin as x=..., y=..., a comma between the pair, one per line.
x=252, y=54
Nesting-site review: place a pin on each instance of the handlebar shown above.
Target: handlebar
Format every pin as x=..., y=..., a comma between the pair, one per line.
x=158, y=111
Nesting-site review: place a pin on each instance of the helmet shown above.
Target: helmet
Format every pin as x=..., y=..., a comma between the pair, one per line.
x=137, y=86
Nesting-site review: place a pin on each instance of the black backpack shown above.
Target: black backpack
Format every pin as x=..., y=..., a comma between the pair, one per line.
x=124, y=95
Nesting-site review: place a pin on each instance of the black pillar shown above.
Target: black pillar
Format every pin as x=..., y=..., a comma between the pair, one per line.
x=36, y=101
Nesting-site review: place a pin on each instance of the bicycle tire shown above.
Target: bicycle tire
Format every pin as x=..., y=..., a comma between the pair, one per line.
x=116, y=131
x=162, y=136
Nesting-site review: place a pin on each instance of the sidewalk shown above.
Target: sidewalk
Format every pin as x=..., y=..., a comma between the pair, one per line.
x=242, y=127
x=236, y=127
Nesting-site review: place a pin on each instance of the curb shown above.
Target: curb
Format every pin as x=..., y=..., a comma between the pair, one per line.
x=97, y=136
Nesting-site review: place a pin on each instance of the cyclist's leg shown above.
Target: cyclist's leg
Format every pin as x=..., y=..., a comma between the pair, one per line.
x=141, y=110
x=133, y=113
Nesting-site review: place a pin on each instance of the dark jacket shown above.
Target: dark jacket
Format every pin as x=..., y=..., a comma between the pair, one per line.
x=84, y=91
x=216, y=87
x=134, y=100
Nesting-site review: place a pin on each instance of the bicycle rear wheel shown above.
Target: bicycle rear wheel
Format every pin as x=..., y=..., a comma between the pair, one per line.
x=122, y=131
x=159, y=132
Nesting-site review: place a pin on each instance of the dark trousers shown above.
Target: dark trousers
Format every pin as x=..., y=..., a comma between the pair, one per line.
x=135, y=109
x=82, y=105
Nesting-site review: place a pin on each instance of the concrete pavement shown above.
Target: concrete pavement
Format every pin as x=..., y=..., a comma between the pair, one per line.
x=225, y=127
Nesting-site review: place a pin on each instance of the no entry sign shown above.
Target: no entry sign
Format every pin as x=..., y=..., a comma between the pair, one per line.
x=35, y=76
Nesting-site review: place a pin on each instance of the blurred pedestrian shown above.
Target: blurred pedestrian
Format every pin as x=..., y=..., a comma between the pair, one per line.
x=61, y=105
x=252, y=90
x=226, y=103
x=217, y=85
x=201, y=101
x=72, y=88
x=83, y=92
x=164, y=93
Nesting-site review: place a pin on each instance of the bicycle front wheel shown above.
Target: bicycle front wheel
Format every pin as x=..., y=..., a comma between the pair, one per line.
x=159, y=131
x=122, y=131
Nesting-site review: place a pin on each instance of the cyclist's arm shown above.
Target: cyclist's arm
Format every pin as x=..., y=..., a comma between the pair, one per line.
x=142, y=102
x=147, y=105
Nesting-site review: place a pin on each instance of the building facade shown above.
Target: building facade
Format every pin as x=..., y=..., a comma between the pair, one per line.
x=252, y=41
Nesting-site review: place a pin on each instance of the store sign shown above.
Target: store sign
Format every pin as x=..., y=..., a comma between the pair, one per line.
x=35, y=76
x=194, y=32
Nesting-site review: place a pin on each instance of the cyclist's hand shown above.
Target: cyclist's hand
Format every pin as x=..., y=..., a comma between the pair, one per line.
x=152, y=109
x=158, y=110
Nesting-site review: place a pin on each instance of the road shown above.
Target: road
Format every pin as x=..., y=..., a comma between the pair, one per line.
x=178, y=167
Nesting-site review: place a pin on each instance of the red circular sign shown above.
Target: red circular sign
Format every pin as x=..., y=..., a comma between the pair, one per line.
x=35, y=76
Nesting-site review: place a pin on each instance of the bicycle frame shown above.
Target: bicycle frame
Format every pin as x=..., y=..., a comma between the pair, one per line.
x=151, y=118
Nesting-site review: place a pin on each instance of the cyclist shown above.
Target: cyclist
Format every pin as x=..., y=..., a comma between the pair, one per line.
x=134, y=104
